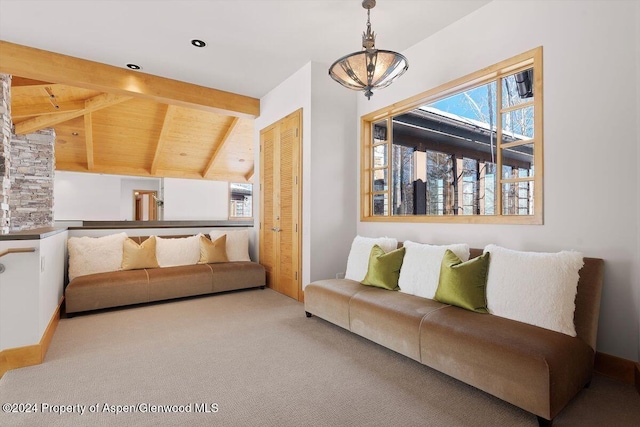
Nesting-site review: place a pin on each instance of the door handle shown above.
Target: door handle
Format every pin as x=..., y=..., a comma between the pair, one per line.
x=276, y=229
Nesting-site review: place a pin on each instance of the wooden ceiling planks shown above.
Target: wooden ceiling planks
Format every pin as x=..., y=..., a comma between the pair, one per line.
x=49, y=120
x=127, y=134
x=100, y=130
x=237, y=156
x=193, y=139
x=145, y=138
x=220, y=145
x=88, y=138
x=106, y=132
x=30, y=101
x=70, y=142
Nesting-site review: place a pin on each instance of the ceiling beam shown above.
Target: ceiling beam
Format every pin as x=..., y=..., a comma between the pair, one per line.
x=40, y=64
x=17, y=81
x=22, y=111
x=249, y=174
x=88, y=137
x=161, y=173
x=164, y=133
x=92, y=104
x=225, y=138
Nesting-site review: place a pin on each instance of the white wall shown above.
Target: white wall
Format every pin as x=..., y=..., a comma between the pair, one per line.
x=30, y=289
x=95, y=197
x=53, y=251
x=85, y=196
x=334, y=150
x=590, y=115
x=291, y=95
x=19, y=286
x=638, y=163
x=191, y=199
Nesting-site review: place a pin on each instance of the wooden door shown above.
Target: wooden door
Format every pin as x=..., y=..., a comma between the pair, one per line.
x=280, y=243
x=268, y=210
x=145, y=207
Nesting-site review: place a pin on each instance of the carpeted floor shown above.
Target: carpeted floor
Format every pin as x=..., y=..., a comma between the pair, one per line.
x=252, y=358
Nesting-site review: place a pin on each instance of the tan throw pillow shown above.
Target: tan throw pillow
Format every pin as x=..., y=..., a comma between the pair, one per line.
x=237, y=243
x=212, y=252
x=135, y=256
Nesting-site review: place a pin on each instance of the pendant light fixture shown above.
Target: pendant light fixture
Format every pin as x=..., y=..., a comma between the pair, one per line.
x=370, y=68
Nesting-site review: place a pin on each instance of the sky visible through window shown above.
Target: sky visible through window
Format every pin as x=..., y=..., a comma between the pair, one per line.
x=472, y=104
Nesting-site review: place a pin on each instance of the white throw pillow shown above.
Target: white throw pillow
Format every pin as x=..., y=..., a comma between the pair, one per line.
x=420, y=270
x=179, y=251
x=90, y=255
x=358, y=261
x=533, y=287
x=237, y=243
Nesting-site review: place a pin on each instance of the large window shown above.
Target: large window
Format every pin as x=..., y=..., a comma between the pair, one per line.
x=469, y=151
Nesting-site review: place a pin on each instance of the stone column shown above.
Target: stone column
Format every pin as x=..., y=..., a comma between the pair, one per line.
x=31, y=173
x=5, y=156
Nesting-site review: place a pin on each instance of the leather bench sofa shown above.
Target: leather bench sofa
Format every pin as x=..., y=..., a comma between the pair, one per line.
x=120, y=288
x=536, y=369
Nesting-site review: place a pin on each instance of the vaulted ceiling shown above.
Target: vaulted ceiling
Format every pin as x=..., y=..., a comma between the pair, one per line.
x=102, y=132
x=116, y=121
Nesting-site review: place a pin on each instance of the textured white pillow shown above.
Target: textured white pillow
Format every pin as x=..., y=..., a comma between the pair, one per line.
x=533, y=287
x=90, y=255
x=420, y=270
x=237, y=243
x=358, y=261
x=179, y=251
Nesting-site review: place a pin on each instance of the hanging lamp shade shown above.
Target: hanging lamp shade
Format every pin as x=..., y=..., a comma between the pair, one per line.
x=370, y=68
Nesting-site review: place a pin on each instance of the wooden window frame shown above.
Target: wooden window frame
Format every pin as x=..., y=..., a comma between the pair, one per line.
x=526, y=60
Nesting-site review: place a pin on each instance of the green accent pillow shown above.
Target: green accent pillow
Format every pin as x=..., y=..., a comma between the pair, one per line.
x=384, y=268
x=463, y=284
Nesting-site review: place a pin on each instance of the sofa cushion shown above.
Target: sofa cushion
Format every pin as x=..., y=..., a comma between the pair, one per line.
x=212, y=252
x=535, y=288
x=463, y=284
x=329, y=299
x=173, y=252
x=136, y=256
x=358, y=261
x=229, y=276
x=237, y=243
x=104, y=290
x=421, y=267
x=179, y=281
x=534, y=368
x=384, y=268
x=391, y=319
x=90, y=255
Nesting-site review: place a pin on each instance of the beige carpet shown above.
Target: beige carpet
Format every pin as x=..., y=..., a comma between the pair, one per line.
x=256, y=355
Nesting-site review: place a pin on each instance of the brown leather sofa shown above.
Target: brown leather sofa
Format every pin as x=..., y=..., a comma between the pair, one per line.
x=119, y=288
x=536, y=369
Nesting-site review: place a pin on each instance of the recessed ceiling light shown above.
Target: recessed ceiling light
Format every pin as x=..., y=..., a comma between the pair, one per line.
x=134, y=67
x=75, y=133
x=183, y=154
x=198, y=43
